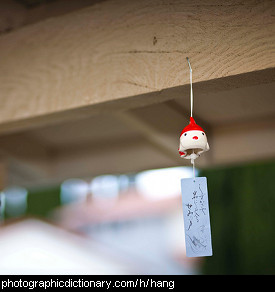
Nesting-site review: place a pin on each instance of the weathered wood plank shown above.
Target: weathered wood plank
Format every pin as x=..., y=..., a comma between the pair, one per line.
x=115, y=50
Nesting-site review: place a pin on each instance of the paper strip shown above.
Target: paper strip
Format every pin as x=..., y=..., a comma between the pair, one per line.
x=196, y=217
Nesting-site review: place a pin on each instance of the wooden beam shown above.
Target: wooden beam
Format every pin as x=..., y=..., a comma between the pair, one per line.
x=115, y=50
x=243, y=142
x=31, y=164
x=166, y=144
x=3, y=177
x=26, y=160
x=116, y=157
x=123, y=104
x=14, y=15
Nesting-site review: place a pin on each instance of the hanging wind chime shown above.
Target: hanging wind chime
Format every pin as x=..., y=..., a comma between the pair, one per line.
x=193, y=142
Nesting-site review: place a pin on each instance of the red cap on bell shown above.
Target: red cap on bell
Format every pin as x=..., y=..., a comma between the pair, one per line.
x=192, y=127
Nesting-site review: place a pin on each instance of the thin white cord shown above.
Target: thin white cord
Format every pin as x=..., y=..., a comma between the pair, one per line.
x=191, y=107
x=191, y=88
x=193, y=162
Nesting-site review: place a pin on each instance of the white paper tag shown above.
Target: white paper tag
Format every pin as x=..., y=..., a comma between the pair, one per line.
x=196, y=217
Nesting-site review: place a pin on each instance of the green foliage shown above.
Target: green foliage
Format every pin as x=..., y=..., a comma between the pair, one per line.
x=41, y=202
x=242, y=215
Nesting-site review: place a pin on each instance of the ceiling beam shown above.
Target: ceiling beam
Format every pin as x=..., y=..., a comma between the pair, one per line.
x=166, y=144
x=117, y=50
x=29, y=163
x=238, y=143
x=26, y=160
x=15, y=14
x=266, y=76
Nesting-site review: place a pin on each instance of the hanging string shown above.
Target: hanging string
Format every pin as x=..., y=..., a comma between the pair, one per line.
x=193, y=163
x=191, y=89
x=191, y=110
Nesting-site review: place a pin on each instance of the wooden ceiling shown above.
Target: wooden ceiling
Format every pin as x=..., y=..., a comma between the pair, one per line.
x=16, y=14
x=93, y=94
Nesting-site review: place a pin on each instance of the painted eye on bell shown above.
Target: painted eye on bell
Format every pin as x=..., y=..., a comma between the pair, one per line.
x=203, y=134
x=185, y=134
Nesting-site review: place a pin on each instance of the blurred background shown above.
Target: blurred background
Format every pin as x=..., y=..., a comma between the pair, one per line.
x=118, y=224
x=133, y=224
x=93, y=97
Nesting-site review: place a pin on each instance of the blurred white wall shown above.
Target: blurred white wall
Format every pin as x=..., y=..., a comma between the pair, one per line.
x=34, y=247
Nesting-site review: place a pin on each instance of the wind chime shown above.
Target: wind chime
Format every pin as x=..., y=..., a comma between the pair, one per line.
x=193, y=142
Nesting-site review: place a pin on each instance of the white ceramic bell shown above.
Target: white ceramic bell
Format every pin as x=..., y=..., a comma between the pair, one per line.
x=193, y=141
